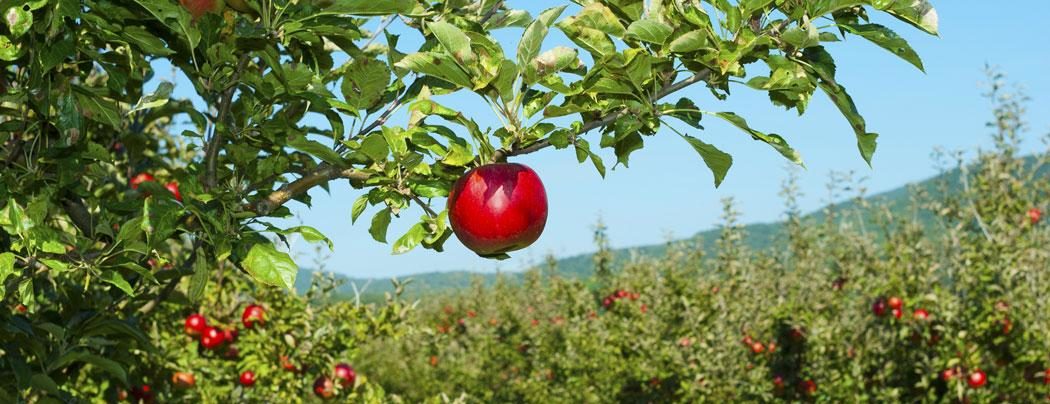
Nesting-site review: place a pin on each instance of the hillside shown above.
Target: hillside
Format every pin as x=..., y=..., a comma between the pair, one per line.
x=759, y=236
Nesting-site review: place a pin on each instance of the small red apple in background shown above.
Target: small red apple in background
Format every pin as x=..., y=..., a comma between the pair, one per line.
x=1046, y=376
x=1007, y=325
x=212, y=338
x=879, y=307
x=345, y=374
x=757, y=348
x=920, y=314
x=140, y=178
x=324, y=388
x=197, y=8
x=142, y=393
x=895, y=303
x=1035, y=215
x=173, y=187
x=253, y=314
x=977, y=379
x=808, y=387
x=20, y=308
x=229, y=335
x=287, y=364
x=183, y=380
x=897, y=313
x=195, y=324
x=498, y=208
x=948, y=374
x=778, y=382
x=433, y=360
x=247, y=378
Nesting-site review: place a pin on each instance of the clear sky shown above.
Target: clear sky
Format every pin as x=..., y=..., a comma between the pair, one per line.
x=668, y=191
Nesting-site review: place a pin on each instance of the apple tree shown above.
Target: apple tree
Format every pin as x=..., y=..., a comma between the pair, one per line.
x=110, y=178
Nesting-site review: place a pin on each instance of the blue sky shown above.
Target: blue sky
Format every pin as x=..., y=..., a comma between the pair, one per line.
x=667, y=191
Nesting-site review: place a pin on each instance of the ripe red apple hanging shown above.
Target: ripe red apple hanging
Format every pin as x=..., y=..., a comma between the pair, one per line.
x=498, y=208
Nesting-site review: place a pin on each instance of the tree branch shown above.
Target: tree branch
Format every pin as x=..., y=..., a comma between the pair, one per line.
x=324, y=173
x=215, y=143
x=502, y=154
x=492, y=11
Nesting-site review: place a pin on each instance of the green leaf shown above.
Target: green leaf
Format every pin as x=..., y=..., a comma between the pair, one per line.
x=18, y=20
x=380, y=222
x=455, y=41
x=650, y=30
x=271, y=267
x=371, y=7
x=411, y=239
x=552, y=61
x=886, y=39
x=199, y=280
x=9, y=51
x=802, y=37
x=101, y=110
x=365, y=83
x=686, y=111
x=7, y=268
x=311, y=235
x=919, y=13
x=532, y=39
x=717, y=160
x=115, y=279
x=594, y=41
x=156, y=99
x=778, y=143
x=866, y=141
x=689, y=42
x=438, y=65
x=374, y=146
x=316, y=149
x=175, y=17
x=359, y=207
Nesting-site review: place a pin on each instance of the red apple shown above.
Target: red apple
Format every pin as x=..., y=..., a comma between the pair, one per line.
x=879, y=307
x=757, y=348
x=183, y=380
x=778, y=382
x=247, y=378
x=977, y=379
x=897, y=313
x=21, y=308
x=896, y=303
x=1035, y=215
x=498, y=208
x=229, y=335
x=140, y=178
x=197, y=8
x=324, y=388
x=345, y=374
x=920, y=314
x=252, y=314
x=195, y=324
x=173, y=187
x=212, y=338
x=287, y=364
x=948, y=374
x=142, y=394
x=808, y=387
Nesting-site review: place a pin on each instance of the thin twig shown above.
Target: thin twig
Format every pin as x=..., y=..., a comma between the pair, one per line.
x=382, y=26
x=216, y=141
x=492, y=11
x=502, y=154
x=426, y=207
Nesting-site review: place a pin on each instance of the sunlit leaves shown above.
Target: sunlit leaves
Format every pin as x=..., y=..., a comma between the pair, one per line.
x=269, y=266
x=534, y=34
x=651, y=31
x=716, y=160
x=886, y=39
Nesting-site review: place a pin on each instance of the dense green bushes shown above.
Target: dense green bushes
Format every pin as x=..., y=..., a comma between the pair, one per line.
x=795, y=322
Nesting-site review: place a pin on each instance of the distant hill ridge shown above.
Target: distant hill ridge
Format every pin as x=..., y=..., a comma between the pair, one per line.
x=758, y=236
